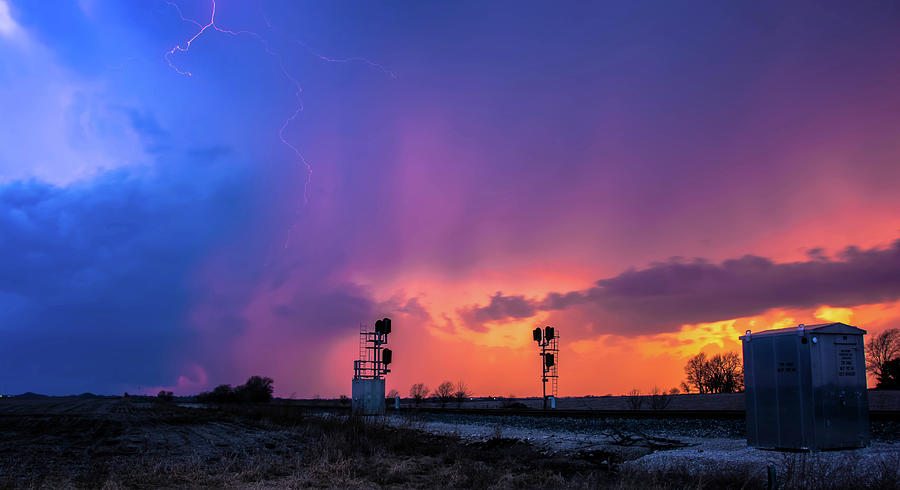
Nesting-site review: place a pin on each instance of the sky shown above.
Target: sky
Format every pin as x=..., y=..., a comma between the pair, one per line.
x=192, y=192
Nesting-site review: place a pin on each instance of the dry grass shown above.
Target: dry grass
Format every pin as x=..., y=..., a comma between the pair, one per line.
x=803, y=470
x=163, y=446
x=796, y=470
x=126, y=446
x=351, y=452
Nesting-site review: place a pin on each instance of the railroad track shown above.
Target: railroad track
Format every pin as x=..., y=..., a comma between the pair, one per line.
x=622, y=414
x=879, y=415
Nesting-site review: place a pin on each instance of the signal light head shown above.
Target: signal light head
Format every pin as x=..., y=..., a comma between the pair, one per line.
x=536, y=333
x=548, y=360
x=387, y=356
x=549, y=332
x=383, y=326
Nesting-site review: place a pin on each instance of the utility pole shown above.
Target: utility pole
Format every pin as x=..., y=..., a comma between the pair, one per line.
x=544, y=374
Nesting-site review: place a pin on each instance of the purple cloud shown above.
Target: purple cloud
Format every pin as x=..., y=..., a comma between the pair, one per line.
x=668, y=294
x=500, y=308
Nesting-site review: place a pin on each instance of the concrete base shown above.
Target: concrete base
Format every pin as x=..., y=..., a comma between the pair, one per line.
x=368, y=397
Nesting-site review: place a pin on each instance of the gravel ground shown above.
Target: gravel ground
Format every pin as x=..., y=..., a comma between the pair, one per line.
x=667, y=427
x=712, y=446
x=560, y=435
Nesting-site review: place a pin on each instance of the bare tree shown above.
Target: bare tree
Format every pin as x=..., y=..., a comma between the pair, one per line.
x=635, y=399
x=257, y=389
x=461, y=393
x=444, y=393
x=722, y=373
x=890, y=375
x=390, y=397
x=509, y=401
x=659, y=399
x=725, y=373
x=882, y=349
x=695, y=373
x=734, y=369
x=418, y=392
x=674, y=391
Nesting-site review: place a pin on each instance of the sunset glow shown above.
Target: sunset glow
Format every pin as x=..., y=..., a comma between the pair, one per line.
x=652, y=182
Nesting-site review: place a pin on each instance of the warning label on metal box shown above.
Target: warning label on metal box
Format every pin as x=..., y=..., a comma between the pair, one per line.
x=846, y=361
x=787, y=367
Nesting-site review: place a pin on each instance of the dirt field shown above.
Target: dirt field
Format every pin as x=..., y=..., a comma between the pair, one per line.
x=92, y=442
x=135, y=443
x=125, y=443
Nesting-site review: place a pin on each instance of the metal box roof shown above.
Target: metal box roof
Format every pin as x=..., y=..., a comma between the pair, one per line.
x=806, y=387
x=833, y=327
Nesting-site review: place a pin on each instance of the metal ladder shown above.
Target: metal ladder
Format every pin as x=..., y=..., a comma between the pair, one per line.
x=363, y=352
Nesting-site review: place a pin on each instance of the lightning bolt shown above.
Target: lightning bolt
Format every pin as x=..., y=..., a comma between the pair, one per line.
x=328, y=59
x=298, y=89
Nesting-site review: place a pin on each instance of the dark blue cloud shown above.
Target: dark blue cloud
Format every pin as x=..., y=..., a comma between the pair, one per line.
x=95, y=276
x=101, y=280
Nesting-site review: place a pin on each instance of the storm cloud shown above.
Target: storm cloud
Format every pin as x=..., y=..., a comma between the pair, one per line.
x=136, y=278
x=499, y=308
x=95, y=276
x=668, y=294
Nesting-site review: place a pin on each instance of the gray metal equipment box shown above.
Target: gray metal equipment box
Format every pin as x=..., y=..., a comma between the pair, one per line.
x=368, y=397
x=806, y=388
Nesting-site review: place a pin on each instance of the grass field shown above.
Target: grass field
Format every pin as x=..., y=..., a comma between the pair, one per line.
x=127, y=443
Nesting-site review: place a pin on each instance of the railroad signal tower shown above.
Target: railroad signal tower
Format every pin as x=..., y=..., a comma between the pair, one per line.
x=548, y=340
x=371, y=367
x=373, y=357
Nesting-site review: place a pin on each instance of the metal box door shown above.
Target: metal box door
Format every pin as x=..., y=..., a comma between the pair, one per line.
x=844, y=409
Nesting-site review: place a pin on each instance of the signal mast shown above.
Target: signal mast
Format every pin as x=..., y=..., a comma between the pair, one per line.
x=371, y=367
x=548, y=340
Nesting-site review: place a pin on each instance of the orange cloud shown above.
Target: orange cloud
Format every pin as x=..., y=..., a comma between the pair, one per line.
x=504, y=360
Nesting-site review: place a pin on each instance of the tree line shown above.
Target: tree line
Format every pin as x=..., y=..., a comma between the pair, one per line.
x=445, y=393
x=721, y=373
x=257, y=389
